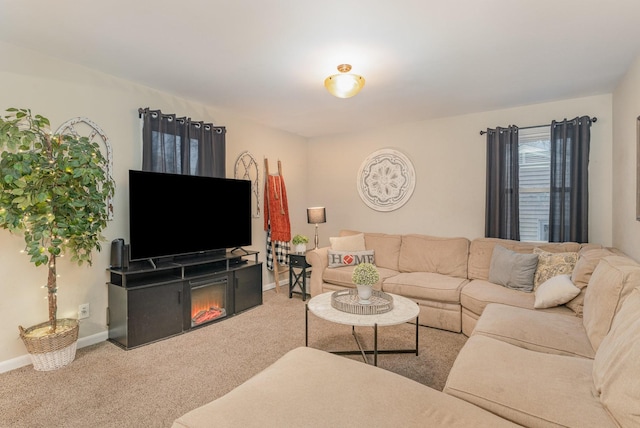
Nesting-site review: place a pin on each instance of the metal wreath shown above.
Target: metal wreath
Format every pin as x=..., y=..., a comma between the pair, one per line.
x=246, y=168
x=70, y=127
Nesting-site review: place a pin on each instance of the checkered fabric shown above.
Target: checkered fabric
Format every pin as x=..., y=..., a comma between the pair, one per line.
x=281, y=248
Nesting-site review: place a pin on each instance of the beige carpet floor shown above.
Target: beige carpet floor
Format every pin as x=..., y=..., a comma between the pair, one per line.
x=106, y=386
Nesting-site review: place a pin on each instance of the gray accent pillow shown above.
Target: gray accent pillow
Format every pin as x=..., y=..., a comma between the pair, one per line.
x=512, y=270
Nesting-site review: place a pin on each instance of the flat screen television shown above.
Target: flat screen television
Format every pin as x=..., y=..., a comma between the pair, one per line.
x=172, y=214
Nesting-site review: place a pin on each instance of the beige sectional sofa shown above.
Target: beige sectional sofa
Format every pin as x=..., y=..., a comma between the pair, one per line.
x=520, y=365
x=544, y=369
x=447, y=277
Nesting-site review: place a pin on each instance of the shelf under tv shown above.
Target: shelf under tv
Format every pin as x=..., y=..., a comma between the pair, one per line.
x=147, y=304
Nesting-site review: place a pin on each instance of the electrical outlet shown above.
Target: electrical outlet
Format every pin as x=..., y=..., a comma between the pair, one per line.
x=83, y=311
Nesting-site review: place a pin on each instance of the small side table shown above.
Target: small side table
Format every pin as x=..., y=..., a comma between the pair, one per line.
x=298, y=261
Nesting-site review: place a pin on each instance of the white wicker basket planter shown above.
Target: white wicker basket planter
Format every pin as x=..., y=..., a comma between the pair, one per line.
x=52, y=351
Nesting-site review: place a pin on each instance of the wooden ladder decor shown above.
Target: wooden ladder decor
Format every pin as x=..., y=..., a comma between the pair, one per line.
x=277, y=268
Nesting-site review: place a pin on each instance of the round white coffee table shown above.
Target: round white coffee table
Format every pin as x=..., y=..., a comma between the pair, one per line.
x=404, y=310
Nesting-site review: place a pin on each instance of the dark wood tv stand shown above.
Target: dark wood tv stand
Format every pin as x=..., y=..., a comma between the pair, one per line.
x=148, y=303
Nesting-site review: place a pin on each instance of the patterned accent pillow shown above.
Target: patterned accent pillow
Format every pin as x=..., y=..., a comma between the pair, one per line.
x=553, y=264
x=350, y=258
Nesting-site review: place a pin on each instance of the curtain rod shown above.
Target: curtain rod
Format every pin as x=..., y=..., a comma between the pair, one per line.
x=593, y=119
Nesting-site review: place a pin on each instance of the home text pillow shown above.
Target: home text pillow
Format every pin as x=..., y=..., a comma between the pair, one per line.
x=350, y=258
x=511, y=269
x=348, y=243
x=555, y=291
x=553, y=264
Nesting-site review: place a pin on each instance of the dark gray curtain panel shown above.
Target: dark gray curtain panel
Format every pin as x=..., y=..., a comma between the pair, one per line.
x=180, y=145
x=502, y=210
x=569, y=193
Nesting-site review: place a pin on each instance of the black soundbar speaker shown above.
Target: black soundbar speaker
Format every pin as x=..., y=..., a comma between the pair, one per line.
x=117, y=253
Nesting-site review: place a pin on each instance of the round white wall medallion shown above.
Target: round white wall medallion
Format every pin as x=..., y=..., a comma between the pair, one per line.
x=386, y=180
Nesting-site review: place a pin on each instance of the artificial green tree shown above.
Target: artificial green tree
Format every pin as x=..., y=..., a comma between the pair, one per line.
x=53, y=190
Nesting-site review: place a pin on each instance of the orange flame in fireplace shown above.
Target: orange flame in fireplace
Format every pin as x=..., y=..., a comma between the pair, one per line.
x=205, y=310
x=204, y=305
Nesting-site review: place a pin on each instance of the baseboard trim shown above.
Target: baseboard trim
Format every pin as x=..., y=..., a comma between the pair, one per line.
x=25, y=360
x=272, y=285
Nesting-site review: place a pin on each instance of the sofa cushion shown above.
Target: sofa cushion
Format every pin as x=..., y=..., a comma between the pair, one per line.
x=611, y=282
x=550, y=332
x=481, y=249
x=577, y=303
x=534, y=389
x=348, y=243
x=350, y=258
x=587, y=262
x=588, y=259
x=422, y=253
x=555, y=291
x=553, y=264
x=512, y=270
x=387, y=248
x=477, y=294
x=425, y=286
x=616, y=370
x=333, y=391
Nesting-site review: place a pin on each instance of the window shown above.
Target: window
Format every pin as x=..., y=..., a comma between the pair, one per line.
x=538, y=178
x=534, y=157
x=170, y=145
x=180, y=145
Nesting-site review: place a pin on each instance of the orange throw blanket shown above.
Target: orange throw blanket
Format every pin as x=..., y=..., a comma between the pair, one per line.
x=276, y=209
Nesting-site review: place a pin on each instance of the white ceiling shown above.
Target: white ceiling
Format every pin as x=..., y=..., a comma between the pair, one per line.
x=267, y=59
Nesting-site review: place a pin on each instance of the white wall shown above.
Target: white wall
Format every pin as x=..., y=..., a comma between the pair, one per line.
x=61, y=91
x=448, y=155
x=449, y=158
x=626, y=108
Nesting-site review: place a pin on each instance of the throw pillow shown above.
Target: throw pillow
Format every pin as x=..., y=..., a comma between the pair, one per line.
x=350, y=258
x=553, y=264
x=555, y=291
x=348, y=243
x=511, y=269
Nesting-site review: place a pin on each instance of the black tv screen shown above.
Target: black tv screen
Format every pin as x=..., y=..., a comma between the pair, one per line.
x=172, y=214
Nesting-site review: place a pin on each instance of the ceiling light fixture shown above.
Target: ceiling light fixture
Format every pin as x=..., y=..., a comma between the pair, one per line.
x=344, y=85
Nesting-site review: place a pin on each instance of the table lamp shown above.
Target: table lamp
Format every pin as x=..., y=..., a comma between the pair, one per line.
x=316, y=215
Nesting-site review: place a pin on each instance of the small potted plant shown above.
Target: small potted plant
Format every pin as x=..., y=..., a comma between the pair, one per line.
x=53, y=191
x=364, y=276
x=300, y=243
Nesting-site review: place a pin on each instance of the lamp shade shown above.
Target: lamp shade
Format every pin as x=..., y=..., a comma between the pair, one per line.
x=344, y=85
x=316, y=215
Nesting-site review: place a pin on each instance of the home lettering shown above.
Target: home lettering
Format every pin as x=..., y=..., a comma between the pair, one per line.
x=350, y=259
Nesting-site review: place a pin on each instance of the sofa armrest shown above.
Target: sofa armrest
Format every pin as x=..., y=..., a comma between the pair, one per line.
x=319, y=260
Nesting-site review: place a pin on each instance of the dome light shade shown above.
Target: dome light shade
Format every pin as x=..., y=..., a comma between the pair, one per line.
x=344, y=85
